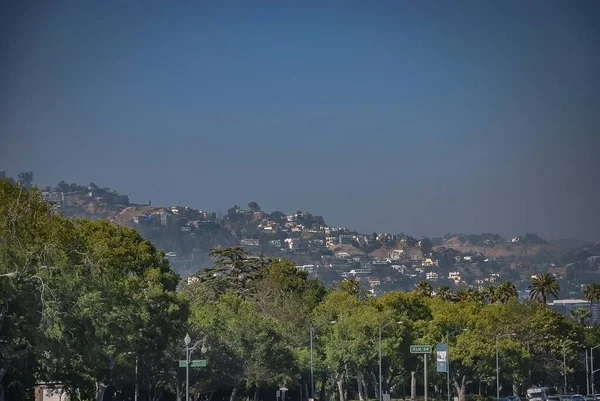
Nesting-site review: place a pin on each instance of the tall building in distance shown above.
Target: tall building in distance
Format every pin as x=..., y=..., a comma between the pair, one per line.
x=2, y=174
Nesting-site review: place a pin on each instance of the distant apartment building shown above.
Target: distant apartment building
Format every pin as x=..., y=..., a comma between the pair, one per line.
x=2, y=174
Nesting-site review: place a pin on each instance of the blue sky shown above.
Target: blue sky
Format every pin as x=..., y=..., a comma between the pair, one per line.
x=423, y=117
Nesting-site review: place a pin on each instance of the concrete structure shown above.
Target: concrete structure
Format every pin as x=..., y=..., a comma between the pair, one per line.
x=50, y=392
x=2, y=174
x=566, y=306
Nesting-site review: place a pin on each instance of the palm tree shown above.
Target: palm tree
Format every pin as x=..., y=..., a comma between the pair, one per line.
x=491, y=293
x=444, y=292
x=469, y=295
x=543, y=286
x=506, y=291
x=580, y=316
x=591, y=293
x=424, y=289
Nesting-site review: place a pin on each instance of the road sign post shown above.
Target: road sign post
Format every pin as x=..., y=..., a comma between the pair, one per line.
x=422, y=349
x=196, y=363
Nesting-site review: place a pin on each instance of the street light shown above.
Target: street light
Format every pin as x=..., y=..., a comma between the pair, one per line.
x=564, y=345
x=312, y=333
x=592, y=368
x=188, y=353
x=448, y=357
x=498, y=337
x=381, y=327
x=136, y=375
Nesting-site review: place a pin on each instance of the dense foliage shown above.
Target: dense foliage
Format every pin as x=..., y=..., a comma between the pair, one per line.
x=83, y=303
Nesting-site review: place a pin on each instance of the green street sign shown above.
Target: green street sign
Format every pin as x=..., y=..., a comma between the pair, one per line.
x=196, y=363
x=420, y=349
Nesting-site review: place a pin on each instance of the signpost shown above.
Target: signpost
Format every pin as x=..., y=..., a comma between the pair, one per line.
x=441, y=351
x=422, y=349
x=196, y=363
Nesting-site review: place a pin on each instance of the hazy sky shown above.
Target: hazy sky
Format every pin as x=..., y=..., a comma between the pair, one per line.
x=414, y=116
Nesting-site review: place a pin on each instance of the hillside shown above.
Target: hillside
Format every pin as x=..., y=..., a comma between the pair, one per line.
x=187, y=234
x=527, y=249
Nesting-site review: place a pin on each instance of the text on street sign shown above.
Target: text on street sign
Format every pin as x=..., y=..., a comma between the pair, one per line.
x=420, y=349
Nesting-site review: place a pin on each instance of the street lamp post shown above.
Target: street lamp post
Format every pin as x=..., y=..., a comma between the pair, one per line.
x=381, y=327
x=136, y=375
x=587, y=372
x=498, y=363
x=188, y=353
x=448, y=359
x=136, y=379
x=564, y=345
x=312, y=379
x=592, y=371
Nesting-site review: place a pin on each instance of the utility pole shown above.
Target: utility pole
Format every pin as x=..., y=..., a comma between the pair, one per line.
x=380, y=386
x=498, y=363
x=587, y=372
x=565, y=367
x=136, y=379
x=425, y=376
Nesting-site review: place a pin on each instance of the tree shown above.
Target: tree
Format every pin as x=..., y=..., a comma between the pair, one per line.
x=254, y=206
x=62, y=187
x=591, y=293
x=581, y=316
x=33, y=243
x=119, y=297
x=426, y=245
x=424, y=289
x=543, y=286
x=491, y=293
x=444, y=292
x=506, y=291
x=25, y=179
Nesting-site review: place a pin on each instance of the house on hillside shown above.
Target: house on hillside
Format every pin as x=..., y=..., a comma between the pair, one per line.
x=454, y=276
x=429, y=262
x=396, y=254
x=250, y=242
x=431, y=276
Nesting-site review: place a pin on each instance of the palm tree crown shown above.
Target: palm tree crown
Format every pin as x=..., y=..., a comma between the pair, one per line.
x=591, y=293
x=543, y=286
x=424, y=288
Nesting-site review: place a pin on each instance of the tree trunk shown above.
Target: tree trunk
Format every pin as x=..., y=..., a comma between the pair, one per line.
x=340, y=386
x=515, y=388
x=307, y=394
x=256, y=391
x=233, y=393
x=461, y=389
x=3, y=371
x=101, y=391
x=413, y=386
x=359, y=386
x=323, y=392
